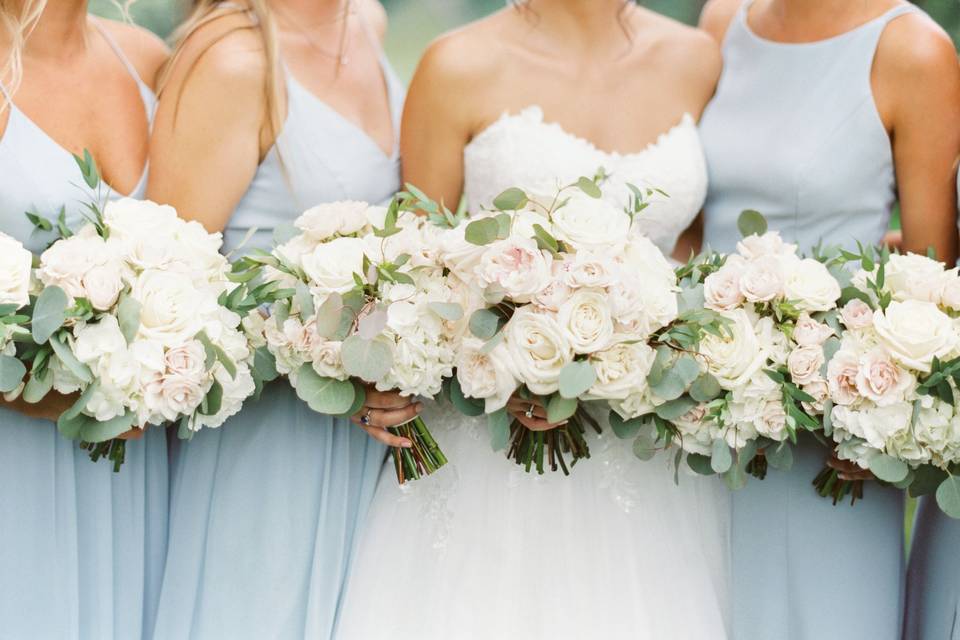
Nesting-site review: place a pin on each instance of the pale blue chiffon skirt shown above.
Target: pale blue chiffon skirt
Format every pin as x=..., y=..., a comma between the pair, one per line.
x=81, y=547
x=262, y=522
x=933, y=586
x=804, y=569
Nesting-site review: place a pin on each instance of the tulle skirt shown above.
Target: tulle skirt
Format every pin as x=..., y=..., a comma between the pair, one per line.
x=804, y=569
x=81, y=547
x=262, y=519
x=484, y=550
x=933, y=587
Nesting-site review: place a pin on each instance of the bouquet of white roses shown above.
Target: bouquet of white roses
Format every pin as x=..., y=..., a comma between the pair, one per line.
x=893, y=382
x=369, y=304
x=735, y=398
x=16, y=269
x=570, y=296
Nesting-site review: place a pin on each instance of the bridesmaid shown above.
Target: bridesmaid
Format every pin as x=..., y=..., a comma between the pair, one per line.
x=825, y=113
x=268, y=108
x=81, y=547
x=933, y=578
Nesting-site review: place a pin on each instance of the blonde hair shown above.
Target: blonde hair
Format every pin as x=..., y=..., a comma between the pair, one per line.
x=17, y=20
x=261, y=19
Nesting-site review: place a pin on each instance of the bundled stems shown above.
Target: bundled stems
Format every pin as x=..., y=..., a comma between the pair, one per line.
x=829, y=484
x=423, y=458
x=113, y=450
x=547, y=449
x=758, y=466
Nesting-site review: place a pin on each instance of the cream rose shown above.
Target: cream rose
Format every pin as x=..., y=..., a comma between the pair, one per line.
x=914, y=277
x=621, y=370
x=769, y=244
x=721, y=289
x=485, y=376
x=915, y=332
x=590, y=223
x=331, y=266
x=585, y=319
x=882, y=381
x=857, y=314
x=170, y=308
x=809, y=285
x=842, y=372
x=517, y=267
x=804, y=364
x=332, y=219
x=807, y=332
x=762, y=279
x=737, y=355
x=538, y=350
x=103, y=285
x=15, y=265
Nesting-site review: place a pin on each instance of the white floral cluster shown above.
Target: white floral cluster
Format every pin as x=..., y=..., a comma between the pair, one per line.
x=773, y=301
x=150, y=286
x=405, y=313
x=875, y=378
x=16, y=269
x=597, y=297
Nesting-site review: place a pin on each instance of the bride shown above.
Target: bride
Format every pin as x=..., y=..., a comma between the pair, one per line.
x=534, y=96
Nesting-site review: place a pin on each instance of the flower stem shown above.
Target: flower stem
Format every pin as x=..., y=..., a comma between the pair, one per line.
x=423, y=458
x=829, y=484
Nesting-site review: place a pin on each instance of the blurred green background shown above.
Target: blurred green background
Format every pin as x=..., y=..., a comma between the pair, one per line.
x=414, y=23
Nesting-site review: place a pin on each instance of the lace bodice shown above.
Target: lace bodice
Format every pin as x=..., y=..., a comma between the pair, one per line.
x=522, y=150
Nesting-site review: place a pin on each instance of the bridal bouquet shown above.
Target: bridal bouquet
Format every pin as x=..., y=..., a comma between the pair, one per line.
x=16, y=269
x=753, y=379
x=370, y=304
x=570, y=296
x=893, y=382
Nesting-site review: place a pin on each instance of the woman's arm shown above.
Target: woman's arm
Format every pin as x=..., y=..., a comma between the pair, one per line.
x=917, y=90
x=208, y=134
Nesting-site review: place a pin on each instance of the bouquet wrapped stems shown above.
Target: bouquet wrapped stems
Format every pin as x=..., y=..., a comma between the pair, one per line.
x=757, y=467
x=829, y=484
x=114, y=450
x=542, y=449
x=423, y=458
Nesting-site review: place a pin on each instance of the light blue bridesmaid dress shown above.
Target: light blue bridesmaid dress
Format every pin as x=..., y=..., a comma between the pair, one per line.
x=933, y=576
x=794, y=133
x=81, y=547
x=264, y=509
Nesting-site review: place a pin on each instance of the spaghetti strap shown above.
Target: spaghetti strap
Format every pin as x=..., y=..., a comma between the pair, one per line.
x=896, y=12
x=119, y=52
x=6, y=94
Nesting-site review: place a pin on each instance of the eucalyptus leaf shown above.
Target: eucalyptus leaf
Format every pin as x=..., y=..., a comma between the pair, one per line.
x=372, y=324
x=11, y=373
x=265, y=365
x=735, y=478
x=645, y=445
x=700, y=464
x=49, y=313
x=484, y=323
x=691, y=299
x=471, y=407
x=324, y=395
x=128, y=317
x=38, y=386
x=779, y=457
x=675, y=408
x=670, y=386
x=95, y=431
x=450, y=311
x=687, y=368
x=69, y=360
x=499, y=423
x=888, y=468
x=511, y=200
x=560, y=409
x=589, y=187
x=721, y=459
x=482, y=232
x=576, y=378
x=213, y=401
x=304, y=299
x=705, y=388
x=751, y=223
x=624, y=429
x=369, y=360
x=948, y=497
x=926, y=479
x=328, y=316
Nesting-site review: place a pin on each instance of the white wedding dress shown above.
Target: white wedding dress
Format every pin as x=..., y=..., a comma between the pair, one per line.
x=484, y=550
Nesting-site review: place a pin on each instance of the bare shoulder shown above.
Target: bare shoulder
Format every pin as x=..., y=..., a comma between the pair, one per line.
x=146, y=52
x=717, y=15
x=376, y=17
x=914, y=47
x=690, y=53
x=465, y=56
x=226, y=53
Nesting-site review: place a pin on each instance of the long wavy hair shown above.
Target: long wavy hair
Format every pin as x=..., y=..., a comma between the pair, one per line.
x=261, y=20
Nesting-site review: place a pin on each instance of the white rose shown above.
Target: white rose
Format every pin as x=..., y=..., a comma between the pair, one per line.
x=807, y=332
x=176, y=396
x=131, y=218
x=804, y=364
x=721, y=289
x=458, y=255
x=590, y=223
x=950, y=296
x=516, y=266
x=103, y=284
x=737, y=355
x=772, y=421
x=538, y=350
x=882, y=381
x=325, y=359
x=585, y=319
x=809, y=285
x=842, y=372
x=819, y=390
x=98, y=340
x=762, y=279
x=621, y=370
x=769, y=244
x=588, y=270
x=485, y=376
x=331, y=219
x=553, y=295
x=914, y=277
x=915, y=332
x=66, y=262
x=857, y=314
x=170, y=307
x=15, y=266
x=330, y=266
x=187, y=360
x=643, y=260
